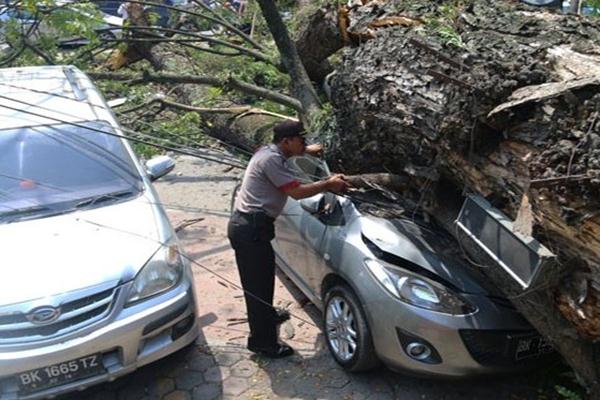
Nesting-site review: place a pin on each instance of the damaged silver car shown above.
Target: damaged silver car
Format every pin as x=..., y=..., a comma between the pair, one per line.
x=396, y=289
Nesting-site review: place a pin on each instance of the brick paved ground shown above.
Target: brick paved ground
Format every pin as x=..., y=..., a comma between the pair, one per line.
x=218, y=366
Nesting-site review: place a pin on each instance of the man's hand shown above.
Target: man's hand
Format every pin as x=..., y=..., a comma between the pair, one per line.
x=314, y=149
x=337, y=184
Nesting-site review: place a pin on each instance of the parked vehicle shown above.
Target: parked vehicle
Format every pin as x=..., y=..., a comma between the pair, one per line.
x=397, y=290
x=93, y=282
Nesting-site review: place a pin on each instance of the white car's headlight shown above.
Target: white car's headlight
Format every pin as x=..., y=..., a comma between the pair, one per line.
x=418, y=291
x=160, y=274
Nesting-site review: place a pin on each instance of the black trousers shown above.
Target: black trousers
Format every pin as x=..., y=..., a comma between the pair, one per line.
x=250, y=235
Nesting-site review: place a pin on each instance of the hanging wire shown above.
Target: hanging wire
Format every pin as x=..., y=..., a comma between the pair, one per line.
x=183, y=255
x=143, y=122
x=79, y=124
x=184, y=151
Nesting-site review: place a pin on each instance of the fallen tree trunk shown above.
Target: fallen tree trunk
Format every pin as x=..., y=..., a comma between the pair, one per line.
x=319, y=38
x=497, y=99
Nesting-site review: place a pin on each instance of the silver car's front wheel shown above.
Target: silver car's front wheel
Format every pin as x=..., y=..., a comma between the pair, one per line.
x=341, y=330
x=346, y=330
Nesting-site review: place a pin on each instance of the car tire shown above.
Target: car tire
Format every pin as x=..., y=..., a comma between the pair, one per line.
x=346, y=331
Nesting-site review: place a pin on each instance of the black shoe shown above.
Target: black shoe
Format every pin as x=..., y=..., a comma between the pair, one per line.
x=281, y=315
x=279, y=351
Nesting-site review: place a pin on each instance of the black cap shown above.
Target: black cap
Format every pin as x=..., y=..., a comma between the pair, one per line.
x=287, y=129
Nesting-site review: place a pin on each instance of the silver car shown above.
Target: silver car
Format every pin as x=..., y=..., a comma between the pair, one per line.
x=92, y=282
x=396, y=289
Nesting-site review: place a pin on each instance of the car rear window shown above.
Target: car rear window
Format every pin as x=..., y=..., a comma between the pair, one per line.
x=59, y=165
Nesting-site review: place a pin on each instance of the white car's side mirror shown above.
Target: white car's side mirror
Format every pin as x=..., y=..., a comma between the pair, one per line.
x=158, y=167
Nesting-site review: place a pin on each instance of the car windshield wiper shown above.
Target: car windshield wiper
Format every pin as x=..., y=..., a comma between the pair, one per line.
x=21, y=213
x=103, y=198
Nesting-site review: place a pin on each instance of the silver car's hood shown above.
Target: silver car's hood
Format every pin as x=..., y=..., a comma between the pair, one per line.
x=427, y=249
x=53, y=255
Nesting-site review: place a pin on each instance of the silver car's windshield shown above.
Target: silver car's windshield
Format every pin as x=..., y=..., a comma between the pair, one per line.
x=57, y=168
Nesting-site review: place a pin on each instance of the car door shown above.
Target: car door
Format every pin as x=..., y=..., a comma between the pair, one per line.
x=322, y=233
x=298, y=231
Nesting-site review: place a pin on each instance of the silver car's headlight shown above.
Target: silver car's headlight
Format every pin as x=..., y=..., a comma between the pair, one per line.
x=161, y=273
x=418, y=291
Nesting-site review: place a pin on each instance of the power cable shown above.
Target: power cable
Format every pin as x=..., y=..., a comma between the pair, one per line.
x=352, y=198
x=169, y=148
x=80, y=125
x=189, y=259
x=102, y=107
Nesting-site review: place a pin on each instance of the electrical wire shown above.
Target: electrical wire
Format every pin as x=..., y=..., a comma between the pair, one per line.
x=79, y=124
x=183, y=255
x=169, y=148
x=103, y=108
x=128, y=232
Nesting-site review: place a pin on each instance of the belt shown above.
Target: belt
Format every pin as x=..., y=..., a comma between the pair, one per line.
x=254, y=215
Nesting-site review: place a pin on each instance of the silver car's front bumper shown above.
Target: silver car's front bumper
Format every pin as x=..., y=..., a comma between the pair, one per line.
x=130, y=338
x=391, y=321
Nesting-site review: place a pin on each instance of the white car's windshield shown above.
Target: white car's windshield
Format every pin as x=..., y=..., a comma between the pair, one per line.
x=57, y=168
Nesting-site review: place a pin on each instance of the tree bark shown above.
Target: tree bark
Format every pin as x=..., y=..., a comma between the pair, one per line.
x=318, y=39
x=489, y=100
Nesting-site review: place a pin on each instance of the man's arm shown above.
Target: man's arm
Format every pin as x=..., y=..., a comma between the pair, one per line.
x=335, y=184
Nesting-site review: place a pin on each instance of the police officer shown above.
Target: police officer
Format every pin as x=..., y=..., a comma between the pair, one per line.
x=267, y=183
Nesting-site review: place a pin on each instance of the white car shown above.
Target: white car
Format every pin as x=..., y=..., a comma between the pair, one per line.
x=92, y=282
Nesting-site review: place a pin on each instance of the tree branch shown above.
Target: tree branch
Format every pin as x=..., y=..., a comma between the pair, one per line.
x=227, y=25
x=301, y=84
x=232, y=83
x=239, y=112
x=47, y=58
x=266, y=94
x=184, y=42
x=216, y=20
x=249, y=52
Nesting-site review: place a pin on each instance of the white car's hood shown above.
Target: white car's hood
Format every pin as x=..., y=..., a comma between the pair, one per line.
x=54, y=255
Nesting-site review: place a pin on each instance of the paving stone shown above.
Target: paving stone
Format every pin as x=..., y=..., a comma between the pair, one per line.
x=134, y=390
x=216, y=374
x=202, y=362
x=336, y=379
x=356, y=392
x=244, y=369
x=178, y=395
x=235, y=386
x=227, y=359
x=99, y=395
x=189, y=379
x=207, y=391
x=161, y=387
x=307, y=386
x=176, y=370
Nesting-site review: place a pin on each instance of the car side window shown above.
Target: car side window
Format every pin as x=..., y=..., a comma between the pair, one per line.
x=308, y=169
x=330, y=210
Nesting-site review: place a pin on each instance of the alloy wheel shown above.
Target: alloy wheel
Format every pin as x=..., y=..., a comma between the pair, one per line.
x=340, y=328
